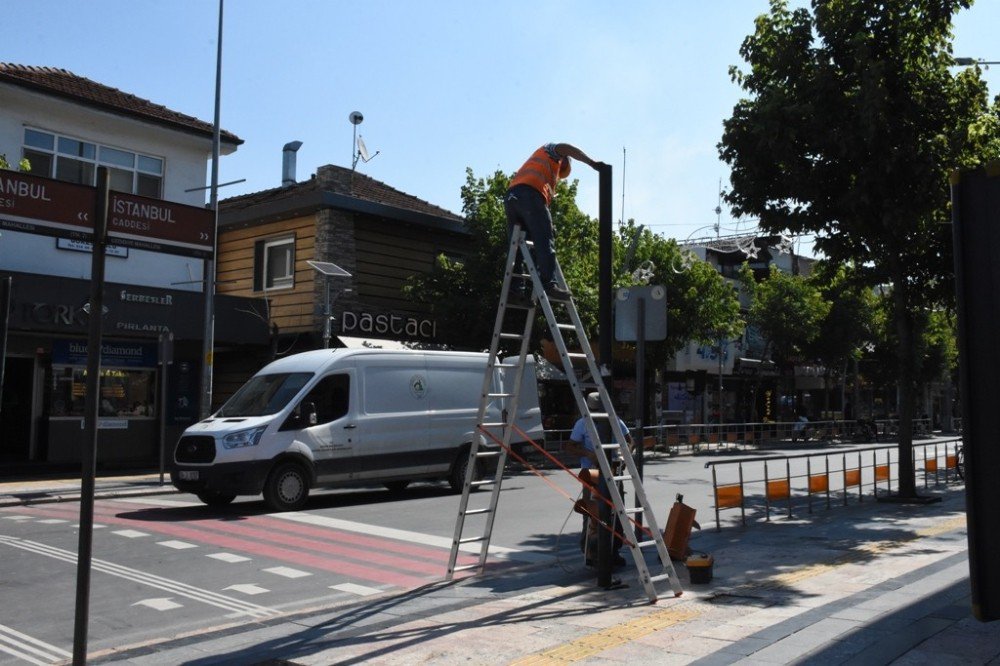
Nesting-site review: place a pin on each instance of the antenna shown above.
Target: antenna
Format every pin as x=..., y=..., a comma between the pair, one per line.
x=358, y=144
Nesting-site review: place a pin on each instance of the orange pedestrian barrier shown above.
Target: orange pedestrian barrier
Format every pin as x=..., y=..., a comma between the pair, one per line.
x=930, y=465
x=951, y=461
x=819, y=483
x=852, y=477
x=779, y=489
x=881, y=472
x=649, y=443
x=729, y=497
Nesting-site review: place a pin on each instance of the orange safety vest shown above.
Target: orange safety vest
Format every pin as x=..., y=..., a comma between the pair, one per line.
x=540, y=172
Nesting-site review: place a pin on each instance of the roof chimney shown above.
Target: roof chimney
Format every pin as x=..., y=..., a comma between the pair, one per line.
x=288, y=163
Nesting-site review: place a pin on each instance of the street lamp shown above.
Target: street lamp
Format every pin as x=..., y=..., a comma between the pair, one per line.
x=968, y=62
x=329, y=270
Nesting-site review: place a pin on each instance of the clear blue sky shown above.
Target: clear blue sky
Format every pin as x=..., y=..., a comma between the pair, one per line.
x=443, y=85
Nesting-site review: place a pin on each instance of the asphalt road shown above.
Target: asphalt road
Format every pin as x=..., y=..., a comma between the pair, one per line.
x=166, y=566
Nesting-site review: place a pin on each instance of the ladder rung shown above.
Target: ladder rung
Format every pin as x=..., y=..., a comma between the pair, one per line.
x=566, y=327
x=493, y=425
x=645, y=544
x=487, y=454
x=466, y=567
x=505, y=365
x=634, y=510
x=599, y=415
x=476, y=512
x=484, y=482
x=575, y=355
x=472, y=539
x=511, y=336
x=499, y=395
x=655, y=579
x=623, y=477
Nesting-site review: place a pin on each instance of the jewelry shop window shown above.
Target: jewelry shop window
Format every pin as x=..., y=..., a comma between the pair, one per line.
x=127, y=383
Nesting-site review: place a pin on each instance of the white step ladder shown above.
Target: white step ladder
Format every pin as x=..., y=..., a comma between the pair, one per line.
x=501, y=432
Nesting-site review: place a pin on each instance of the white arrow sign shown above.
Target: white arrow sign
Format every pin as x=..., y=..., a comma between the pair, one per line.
x=248, y=588
x=160, y=604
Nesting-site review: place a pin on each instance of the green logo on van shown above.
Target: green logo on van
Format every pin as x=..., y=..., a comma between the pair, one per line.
x=418, y=386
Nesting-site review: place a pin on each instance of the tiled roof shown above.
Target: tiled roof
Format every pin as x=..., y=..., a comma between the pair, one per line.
x=340, y=180
x=66, y=84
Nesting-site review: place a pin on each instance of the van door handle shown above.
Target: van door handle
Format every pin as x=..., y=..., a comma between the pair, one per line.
x=350, y=426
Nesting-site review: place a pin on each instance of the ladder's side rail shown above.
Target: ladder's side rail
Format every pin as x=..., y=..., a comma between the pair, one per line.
x=489, y=375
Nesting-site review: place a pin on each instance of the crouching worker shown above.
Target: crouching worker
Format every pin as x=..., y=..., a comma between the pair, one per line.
x=580, y=444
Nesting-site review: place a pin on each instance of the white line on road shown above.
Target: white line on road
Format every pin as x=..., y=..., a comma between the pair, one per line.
x=353, y=588
x=30, y=649
x=52, y=521
x=130, y=534
x=232, y=558
x=288, y=572
x=176, y=545
x=247, y=588
x=159, y=604
x=183, y=589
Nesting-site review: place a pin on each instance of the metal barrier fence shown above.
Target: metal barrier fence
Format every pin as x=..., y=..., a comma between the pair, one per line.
x=765, y=483
x=673, y=439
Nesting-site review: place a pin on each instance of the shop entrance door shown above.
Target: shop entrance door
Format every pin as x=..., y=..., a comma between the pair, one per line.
x=15, y=409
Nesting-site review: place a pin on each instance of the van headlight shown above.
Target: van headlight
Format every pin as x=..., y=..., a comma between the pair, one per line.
x=237, y=440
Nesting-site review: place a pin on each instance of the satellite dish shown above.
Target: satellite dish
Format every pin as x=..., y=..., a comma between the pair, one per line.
x=363, y=151
x=356, y=118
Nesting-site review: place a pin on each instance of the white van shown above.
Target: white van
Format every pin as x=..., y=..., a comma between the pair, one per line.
x=337, y=417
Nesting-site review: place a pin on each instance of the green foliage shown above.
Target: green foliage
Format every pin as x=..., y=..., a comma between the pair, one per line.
x=846, y=329
x=787, y=310
x=464, y=296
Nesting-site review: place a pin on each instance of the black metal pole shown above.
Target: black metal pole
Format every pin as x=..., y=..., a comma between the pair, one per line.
x=640, y=393
x=605, y=315
x=88, y=451
x=5, y=289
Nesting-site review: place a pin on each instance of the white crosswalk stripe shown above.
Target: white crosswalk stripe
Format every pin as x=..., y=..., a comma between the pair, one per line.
x=30, y=649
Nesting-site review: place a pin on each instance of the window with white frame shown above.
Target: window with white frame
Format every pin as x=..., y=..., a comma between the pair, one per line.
x=274, y=264
x=76, y=161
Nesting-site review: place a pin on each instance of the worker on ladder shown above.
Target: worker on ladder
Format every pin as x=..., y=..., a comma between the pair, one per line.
x=579, y=444
x=527, y=204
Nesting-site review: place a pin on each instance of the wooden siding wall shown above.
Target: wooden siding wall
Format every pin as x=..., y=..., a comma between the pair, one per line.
x=291, y=309
x=388, y=253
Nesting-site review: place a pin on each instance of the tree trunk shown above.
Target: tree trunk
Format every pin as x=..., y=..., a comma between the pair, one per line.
x=905, y=333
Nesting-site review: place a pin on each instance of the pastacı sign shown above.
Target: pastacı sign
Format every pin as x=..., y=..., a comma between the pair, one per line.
x=387, y=323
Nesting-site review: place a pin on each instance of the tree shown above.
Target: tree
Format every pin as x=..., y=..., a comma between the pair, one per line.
x=786, y=310
x=852, y=123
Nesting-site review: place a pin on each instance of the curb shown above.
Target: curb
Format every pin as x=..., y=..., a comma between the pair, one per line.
x=43, y=497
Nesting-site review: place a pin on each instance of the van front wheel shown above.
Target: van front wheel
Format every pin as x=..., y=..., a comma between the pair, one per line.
x=458, y=470
x=286, y=488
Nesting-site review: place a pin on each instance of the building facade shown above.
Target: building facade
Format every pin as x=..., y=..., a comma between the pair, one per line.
x=67, y=126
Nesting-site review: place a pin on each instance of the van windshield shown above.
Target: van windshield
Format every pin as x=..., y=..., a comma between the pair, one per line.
x=265, y=394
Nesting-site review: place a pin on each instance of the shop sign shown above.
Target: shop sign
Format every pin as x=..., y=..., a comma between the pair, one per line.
x=387, y=324
x=113, y=354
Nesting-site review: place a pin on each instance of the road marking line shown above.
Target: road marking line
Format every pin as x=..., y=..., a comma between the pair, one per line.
x=130, y=534
x=176, y=545
x=222, y=601
x=18, y=518
x=232, y=558
x=51, y=521
x=159, y=604
x=248, y=588
x=27, y=647
x=287, y=572
x=96, y=526
x=353, y=588
x=407, y=535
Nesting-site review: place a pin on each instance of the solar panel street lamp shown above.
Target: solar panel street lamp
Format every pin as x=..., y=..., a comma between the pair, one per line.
x=329, y=270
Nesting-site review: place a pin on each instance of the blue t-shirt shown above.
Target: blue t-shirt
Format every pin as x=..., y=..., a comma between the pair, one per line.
x=580, y=435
